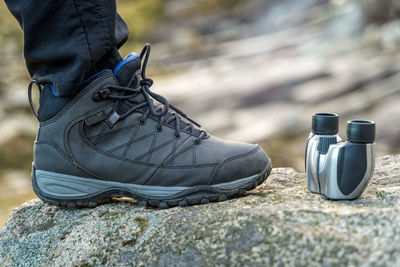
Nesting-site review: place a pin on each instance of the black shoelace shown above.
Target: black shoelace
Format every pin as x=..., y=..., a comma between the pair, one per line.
x=143, y=87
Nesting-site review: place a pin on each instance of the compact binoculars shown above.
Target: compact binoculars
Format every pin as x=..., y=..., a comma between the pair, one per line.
x=339, y=170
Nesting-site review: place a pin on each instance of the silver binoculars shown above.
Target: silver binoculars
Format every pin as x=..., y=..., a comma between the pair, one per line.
x=335, y=169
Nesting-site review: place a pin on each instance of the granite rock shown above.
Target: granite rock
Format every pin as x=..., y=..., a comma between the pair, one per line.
x=279, y=223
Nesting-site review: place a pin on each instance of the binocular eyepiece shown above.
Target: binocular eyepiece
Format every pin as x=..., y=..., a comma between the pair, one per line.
x=361, y=131
x=325, y=123
x=336, y=169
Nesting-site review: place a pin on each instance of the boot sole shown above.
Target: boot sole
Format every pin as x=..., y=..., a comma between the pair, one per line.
x=73, y=192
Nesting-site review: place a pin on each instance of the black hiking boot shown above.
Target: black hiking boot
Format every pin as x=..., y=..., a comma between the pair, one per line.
x=112, y=141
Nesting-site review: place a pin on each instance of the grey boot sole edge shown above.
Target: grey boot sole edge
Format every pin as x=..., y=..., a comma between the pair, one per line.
x=73, y=192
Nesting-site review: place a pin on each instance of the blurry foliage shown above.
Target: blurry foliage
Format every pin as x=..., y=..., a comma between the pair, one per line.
x=140, y=16
x=9, y=28
x=207, y=6
x=382, y=11
x=16, y=153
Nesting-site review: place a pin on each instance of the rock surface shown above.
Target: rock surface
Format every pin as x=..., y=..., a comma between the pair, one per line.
x=278, y=223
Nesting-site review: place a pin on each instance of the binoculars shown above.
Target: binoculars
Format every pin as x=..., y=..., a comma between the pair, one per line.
x=335, y=169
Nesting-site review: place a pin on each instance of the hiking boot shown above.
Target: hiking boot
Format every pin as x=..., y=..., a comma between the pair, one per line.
x=111, y=140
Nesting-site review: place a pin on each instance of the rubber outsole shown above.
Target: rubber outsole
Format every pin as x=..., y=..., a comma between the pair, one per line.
x=197, y=195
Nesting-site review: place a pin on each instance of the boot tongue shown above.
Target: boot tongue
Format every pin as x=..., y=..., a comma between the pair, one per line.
x=127, y=68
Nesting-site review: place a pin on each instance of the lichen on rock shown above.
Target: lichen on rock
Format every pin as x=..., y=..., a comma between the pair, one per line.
x=280, y=222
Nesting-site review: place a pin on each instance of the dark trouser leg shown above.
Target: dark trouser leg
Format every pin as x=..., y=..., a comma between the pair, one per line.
x=67, y=41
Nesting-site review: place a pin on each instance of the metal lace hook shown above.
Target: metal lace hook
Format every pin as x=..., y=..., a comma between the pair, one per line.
x=30, y=96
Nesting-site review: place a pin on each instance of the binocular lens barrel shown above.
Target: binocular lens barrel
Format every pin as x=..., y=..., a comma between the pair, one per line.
x=325, y=123
x=361, y=131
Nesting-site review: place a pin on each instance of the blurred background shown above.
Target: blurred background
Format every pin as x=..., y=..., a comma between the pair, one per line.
x=252, y=71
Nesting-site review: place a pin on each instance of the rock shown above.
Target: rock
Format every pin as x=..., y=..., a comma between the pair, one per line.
x=279, y=223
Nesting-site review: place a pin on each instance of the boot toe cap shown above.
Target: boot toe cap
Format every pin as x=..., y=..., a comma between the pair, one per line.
x=244, y=165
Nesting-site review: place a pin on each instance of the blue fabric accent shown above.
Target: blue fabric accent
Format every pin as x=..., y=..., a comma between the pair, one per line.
x=95, y=75
x=128, y=58
x=52, y=89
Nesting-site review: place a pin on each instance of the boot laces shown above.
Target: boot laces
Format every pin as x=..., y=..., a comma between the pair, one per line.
x=129, y=92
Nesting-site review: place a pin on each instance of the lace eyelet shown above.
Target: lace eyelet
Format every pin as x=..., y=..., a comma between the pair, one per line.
x=196, y=141
x=177, y=136
x=158, y=128
x=142, y=122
